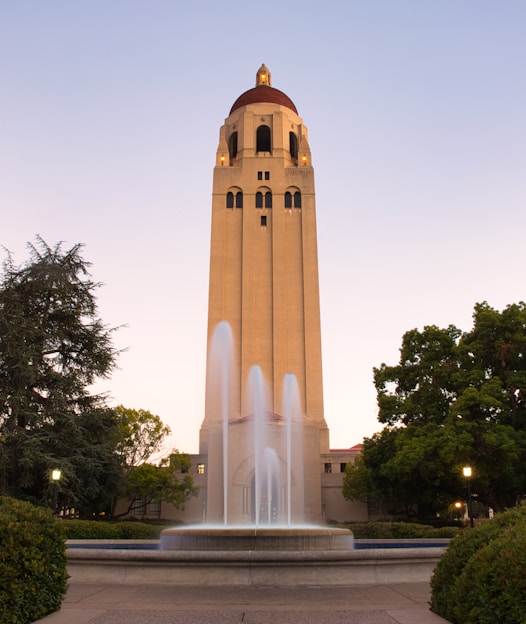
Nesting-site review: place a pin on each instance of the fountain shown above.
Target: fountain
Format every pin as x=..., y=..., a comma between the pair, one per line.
x=276, y=453
x=277, y=547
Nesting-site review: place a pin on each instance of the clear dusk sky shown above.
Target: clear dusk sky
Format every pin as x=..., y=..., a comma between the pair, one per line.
x=109, y=122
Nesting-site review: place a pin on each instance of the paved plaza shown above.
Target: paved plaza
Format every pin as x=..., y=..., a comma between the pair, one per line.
x=402, y=603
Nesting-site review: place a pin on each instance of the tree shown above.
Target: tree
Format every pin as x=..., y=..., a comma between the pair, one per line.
x=53, y=347
x=150, y=483
x=453, y=399
x=141, y=435
x=419, y=389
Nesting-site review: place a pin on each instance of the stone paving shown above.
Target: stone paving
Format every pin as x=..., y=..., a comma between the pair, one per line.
x=402, y=603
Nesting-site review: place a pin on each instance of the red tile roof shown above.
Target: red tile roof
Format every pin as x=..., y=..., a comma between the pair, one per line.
x=356, y=447
x=263, y=93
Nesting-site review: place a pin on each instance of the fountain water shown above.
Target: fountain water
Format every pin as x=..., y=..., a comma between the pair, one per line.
x=275, y=448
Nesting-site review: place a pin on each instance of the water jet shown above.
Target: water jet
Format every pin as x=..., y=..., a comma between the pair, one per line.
x=276, y=461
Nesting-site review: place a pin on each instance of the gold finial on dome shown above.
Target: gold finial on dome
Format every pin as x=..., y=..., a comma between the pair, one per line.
x=263, y=77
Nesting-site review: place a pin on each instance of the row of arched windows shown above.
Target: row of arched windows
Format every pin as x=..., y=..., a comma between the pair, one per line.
x=292, y=200
x=263, y=200
x=263, y=142
x=238, y=199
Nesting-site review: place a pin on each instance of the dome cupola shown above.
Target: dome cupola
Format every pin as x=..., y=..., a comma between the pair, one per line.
x=263, y=92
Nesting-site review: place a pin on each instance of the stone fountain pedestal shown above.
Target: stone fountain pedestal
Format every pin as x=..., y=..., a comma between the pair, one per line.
x=250, y=539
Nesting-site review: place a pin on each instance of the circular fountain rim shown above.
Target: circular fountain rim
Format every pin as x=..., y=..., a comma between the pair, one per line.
x=277, y=529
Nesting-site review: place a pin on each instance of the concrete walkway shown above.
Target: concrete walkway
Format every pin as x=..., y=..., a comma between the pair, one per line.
x=402, y=603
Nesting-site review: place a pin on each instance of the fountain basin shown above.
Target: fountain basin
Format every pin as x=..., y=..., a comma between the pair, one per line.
x=252, y=568
x=250, y=539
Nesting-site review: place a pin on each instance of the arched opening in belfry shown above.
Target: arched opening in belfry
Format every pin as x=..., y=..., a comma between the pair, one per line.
x=232, y=146
x=263, y=135
x=297, y=199
x=293, y=146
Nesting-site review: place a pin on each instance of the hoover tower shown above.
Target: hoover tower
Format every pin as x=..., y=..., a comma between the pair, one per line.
x=264, y=284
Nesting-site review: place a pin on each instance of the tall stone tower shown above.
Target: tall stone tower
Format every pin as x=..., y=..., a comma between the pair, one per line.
x=264, y=283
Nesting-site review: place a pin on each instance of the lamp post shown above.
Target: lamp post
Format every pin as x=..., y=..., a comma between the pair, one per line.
x=458, y=507
x=56, y=475
x=467, y=474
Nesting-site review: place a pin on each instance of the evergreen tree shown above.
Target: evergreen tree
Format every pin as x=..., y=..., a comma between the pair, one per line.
x=53, y=347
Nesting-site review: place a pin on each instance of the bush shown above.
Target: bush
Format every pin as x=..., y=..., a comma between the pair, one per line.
x=33, y=577
x=103, y=529
x=447, y=589
x=492, y=587
x=398, y=530
x=90, y=529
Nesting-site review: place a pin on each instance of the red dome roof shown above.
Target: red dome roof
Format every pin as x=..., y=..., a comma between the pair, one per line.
x=263, y=93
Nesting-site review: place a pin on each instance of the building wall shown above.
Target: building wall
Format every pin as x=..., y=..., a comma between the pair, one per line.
x=332, y=504
x=335, y=507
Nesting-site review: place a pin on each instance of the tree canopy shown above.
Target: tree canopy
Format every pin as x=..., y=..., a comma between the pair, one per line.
x=53, y=348
x=142, y=435
x=454, y=399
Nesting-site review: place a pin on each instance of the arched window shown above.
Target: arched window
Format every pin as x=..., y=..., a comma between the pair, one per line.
x=232, y=146
x=259, y=199
x=297, y=199
x=239, y=199
x=263, y=139
x=268, y=199
x=288, y=200
x=230, y=199
x=293, y=145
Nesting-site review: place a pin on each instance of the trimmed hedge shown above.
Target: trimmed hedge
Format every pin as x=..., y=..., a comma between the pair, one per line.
x=398, y=530
x=480, y=578
x=103, y=529
x=33, y=577
x=132, y=529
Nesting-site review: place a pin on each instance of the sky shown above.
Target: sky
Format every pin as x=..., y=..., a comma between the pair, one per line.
x=109, y=123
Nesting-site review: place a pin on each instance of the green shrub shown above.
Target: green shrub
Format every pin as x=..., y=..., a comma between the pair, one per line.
x=90, y=529
x=444, y=593
x=104, y=529
x=492, y=586
x=139, y=530
x=33, y=578
x=398, y=530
